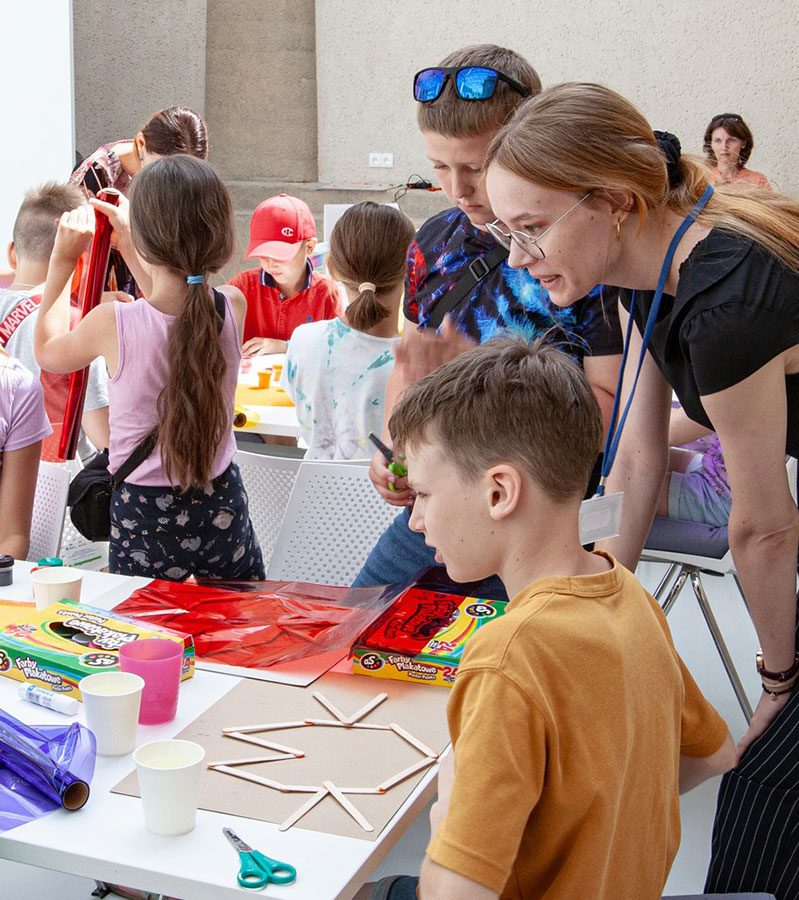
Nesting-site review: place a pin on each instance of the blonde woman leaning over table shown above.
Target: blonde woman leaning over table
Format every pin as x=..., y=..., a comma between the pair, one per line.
x=593, y=197
x=728, y=145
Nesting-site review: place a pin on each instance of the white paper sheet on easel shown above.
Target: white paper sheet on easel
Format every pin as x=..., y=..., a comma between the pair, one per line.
x=600, y=517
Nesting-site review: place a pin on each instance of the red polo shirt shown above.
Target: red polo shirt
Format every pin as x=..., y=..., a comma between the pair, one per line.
x=271, y=314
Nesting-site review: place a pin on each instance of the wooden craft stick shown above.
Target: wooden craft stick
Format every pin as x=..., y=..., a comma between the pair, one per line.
x=369, y=726
x=248, y=776
x=407, y=736
x=251, y=759
x=330, y=707
x=301, y=788
x=343, y=801
x=411, y=770
x=364, y=710
x=251, y=729
x=308, y=805
x=238, y=736
x=361, y=791
x=334, y=722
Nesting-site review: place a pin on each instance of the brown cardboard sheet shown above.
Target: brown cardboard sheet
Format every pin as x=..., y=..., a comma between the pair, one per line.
x=347, y=757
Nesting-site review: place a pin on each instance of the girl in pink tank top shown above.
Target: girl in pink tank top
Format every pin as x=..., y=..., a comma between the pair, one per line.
x=173, y=361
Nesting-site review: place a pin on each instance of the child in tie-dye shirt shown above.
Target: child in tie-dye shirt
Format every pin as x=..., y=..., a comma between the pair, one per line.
x=336, y=371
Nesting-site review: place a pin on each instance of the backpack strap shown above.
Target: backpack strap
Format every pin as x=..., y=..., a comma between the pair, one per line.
x=468, y=279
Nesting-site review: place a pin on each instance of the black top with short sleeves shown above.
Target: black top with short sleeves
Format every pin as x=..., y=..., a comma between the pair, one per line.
x=736, y=308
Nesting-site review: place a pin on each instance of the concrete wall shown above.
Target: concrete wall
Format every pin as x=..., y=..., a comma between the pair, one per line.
x=680, y=62
x=261, y=89
x=132, y=60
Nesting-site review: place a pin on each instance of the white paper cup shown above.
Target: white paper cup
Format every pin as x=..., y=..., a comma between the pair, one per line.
x=169, y=781
x=112, y=701
x=54, y=583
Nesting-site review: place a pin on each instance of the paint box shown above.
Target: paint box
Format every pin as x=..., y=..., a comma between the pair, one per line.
x=421, y=636
x=55, y=647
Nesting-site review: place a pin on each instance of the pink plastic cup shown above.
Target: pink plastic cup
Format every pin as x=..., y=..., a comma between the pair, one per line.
x=159, y=662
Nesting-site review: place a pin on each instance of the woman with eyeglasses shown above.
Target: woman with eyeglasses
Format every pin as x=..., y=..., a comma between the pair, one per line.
x=728, y=144
x=587, y=194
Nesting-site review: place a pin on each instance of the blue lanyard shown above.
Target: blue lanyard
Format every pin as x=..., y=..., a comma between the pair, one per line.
x=614, y=433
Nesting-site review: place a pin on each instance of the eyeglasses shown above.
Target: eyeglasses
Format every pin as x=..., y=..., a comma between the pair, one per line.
x=471, y=83
x=524, y=239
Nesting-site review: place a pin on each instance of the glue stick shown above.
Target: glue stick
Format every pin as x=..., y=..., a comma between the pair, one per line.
x=66, y=705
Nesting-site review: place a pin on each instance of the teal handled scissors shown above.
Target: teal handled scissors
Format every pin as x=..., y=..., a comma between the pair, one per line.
x=256, y=869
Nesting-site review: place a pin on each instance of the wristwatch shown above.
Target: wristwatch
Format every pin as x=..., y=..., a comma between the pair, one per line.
x=776, y=676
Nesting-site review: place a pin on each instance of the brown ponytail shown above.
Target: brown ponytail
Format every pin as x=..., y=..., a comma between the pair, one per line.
x=587, y=138
x=369, y=244
x=177, y=129
x=181, y=217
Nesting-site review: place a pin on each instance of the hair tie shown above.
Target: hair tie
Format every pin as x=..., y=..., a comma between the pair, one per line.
x=669, y=145
x=366, y=286
x=195, y=279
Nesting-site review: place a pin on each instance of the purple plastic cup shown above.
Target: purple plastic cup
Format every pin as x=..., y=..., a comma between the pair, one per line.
x=158, y=661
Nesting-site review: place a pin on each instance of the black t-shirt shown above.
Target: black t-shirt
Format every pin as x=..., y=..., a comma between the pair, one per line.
x=736, y=308
x=507, y=300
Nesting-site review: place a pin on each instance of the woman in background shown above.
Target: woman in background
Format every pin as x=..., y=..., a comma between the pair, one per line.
x=728, y=145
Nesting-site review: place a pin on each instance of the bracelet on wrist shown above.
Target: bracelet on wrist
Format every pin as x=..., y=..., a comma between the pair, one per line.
x=781, y=677
x=773, y=694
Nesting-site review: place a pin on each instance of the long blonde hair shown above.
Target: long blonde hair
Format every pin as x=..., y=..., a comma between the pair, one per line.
x=581, y=137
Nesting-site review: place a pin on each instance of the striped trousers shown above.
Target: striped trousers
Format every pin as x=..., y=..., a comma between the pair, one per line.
x=756, y=832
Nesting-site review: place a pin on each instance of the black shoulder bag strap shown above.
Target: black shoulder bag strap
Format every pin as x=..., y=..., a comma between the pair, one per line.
x=147, y=444
x=466, y=282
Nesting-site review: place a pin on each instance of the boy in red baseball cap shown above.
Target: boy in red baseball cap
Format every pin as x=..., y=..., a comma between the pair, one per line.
x=285, y=291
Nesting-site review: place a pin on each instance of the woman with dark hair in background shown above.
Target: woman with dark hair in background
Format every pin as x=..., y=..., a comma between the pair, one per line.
x=177, y=129
x=728, y=145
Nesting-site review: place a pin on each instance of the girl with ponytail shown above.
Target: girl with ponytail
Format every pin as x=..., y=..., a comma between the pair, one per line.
x=336, y=370
x=173, y=361
x=588, y=194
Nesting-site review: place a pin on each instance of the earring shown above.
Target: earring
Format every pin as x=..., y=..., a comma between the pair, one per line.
x=618, y=230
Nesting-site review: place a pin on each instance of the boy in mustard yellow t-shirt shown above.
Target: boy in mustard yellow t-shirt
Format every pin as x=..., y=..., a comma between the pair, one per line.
x=573, y=720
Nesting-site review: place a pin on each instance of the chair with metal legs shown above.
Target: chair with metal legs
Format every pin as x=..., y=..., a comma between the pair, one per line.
x=691, y=549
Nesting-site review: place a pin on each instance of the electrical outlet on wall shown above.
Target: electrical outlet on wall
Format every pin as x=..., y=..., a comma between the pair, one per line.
x=381, y=160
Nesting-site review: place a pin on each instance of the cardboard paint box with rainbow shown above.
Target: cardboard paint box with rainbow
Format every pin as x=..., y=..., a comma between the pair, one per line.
x=54, y=648
x=421, y=636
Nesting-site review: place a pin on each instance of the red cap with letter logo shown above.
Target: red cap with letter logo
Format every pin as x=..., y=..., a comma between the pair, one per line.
x=278, y=226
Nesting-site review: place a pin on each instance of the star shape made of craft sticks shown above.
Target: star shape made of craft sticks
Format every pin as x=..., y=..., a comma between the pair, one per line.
x=327, y=788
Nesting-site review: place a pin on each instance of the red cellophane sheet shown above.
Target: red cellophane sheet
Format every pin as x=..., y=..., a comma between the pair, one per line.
x=258, y=624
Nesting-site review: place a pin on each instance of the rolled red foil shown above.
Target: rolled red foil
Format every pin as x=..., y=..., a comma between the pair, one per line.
x=91, y=291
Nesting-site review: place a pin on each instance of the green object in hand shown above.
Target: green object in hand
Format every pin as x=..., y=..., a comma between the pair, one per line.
x=398, y=469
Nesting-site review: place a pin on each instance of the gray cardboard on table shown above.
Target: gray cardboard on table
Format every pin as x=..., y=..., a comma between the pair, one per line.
x=347, y=757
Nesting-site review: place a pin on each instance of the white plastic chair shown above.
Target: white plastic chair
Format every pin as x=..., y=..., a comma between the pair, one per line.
x=268, y=481
x=691, y=549
x=49, y=507
x=333, y=519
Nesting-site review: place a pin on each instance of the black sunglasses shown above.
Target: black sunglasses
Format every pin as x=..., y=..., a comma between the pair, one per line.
x=471, y=82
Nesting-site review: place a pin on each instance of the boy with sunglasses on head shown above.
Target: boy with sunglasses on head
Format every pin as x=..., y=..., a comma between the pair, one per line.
x=461, y=105
x=573, y=720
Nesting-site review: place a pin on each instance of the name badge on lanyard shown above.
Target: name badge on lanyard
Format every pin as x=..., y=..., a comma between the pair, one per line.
x=600, y=517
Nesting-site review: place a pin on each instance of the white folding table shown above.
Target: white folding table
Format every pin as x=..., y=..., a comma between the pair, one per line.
x=106, y=840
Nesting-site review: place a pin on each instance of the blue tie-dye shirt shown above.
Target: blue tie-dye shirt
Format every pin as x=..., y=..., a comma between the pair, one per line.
x=506, y=300
x=337, y=378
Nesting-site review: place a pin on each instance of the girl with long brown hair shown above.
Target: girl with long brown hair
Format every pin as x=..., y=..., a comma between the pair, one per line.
x=588, y=194
x=173, y=362
x=337, y=370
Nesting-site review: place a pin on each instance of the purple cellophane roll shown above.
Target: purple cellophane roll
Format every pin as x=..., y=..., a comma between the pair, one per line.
x=42, y=769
